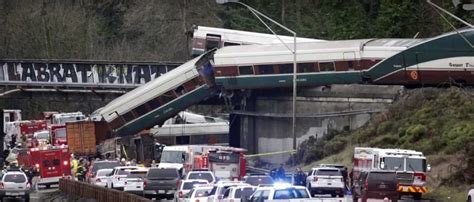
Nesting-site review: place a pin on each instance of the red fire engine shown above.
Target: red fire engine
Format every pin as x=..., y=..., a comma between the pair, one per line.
x=29, y=127
x=224, y=162
x=58, y=135
x=51, y=162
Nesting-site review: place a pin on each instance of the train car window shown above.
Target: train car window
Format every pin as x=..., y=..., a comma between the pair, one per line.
x=285, y=68
x=350, y=64
x=180, y=91
x=305, y=67
x=141, y=110
x=245, y=70
x=212, y=41
x=231, y=44
x=265, y=69
x=153, y=104
x=128, y=116
x=167, y=97
x=199, y=81
x=190, y=85
x=326, y=66
x=116, y=123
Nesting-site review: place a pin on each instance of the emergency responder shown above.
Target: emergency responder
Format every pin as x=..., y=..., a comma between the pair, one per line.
x=281, y=173
x=273, y=174
x=74, y=165
x=81, y=171
x=29, y=174
x=300, y=177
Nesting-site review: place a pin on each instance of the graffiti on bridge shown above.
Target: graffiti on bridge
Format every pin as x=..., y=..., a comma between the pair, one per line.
x=81, y=72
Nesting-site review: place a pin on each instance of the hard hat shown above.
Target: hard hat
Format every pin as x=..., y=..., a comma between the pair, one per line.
x=123, y=159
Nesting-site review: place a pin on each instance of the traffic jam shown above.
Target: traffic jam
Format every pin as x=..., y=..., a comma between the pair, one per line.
x=45, y=151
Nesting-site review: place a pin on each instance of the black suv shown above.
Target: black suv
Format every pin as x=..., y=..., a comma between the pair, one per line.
x=377, y=184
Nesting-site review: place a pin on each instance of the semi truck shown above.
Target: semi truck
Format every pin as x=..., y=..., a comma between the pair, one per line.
x=410, y=166
x=84, y=136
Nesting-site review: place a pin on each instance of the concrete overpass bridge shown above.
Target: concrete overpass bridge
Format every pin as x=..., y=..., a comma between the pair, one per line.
x=71, y=85
x=77, y=75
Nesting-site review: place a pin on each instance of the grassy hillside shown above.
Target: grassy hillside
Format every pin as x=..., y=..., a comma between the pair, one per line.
x=438, y=122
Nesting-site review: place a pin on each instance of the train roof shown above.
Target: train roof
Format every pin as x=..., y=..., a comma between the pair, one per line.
x=147, y=91
x=245, y=36
x=278, y=53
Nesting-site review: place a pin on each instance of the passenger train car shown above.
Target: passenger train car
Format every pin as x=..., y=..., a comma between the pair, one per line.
x=162, y=98
x=207, y=38
x=431, y=61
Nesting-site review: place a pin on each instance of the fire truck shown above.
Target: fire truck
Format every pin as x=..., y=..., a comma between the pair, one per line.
x=50, y=162
x=224, y=162
x=63, y=118
x=410, y=166
x=16, y=129
x=58, y=135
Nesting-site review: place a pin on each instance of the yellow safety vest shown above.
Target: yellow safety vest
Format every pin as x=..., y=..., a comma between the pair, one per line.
x=74, y=166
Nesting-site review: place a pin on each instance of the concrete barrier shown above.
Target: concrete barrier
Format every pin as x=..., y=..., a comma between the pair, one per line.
x=89, y=191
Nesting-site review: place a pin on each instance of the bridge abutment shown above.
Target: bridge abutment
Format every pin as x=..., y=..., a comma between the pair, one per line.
x=265, y=120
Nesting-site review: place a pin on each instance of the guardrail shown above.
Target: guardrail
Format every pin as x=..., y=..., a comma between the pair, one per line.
x=89, y=191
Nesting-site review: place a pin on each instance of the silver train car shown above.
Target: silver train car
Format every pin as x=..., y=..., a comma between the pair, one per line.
x=158, y=100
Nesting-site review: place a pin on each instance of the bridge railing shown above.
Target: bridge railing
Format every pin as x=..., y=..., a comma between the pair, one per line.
x=89, y=191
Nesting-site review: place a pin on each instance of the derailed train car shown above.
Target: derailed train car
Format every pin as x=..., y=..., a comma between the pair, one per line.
x=432, y=61
x=162, y=98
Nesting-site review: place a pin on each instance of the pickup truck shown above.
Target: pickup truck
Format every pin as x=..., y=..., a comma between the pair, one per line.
x=161, y=183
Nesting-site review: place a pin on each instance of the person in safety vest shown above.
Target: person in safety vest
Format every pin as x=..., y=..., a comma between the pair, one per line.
x=81, y=171
x=74, y=165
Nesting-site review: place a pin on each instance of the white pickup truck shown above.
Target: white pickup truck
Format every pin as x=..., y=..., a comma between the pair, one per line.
x=281, y=193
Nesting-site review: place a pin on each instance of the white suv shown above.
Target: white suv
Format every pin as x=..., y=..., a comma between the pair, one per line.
x=325, y=180
x=14, y=184
x=279, y=192
x=116, y=179
x=185, y=186
x=201, y=175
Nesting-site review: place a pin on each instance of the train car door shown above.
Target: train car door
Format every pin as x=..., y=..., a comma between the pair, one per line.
x=415, y=73
x=212, y=41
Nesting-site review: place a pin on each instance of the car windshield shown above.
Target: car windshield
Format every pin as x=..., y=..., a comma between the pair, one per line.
x=202, y=192
x=329, y=172
x=104, y=172
x=290, y=193
x=136, y=174
x=257, y=180
x=393, y=163
x=163, y=173
x=204, y=176
x=125, y=171
x=104, y=165
x=172, y=156
x=17, y=178
x=244, y=192
x=61, y=133
x=418, y=165
x=190, y=185
x=43, y=135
